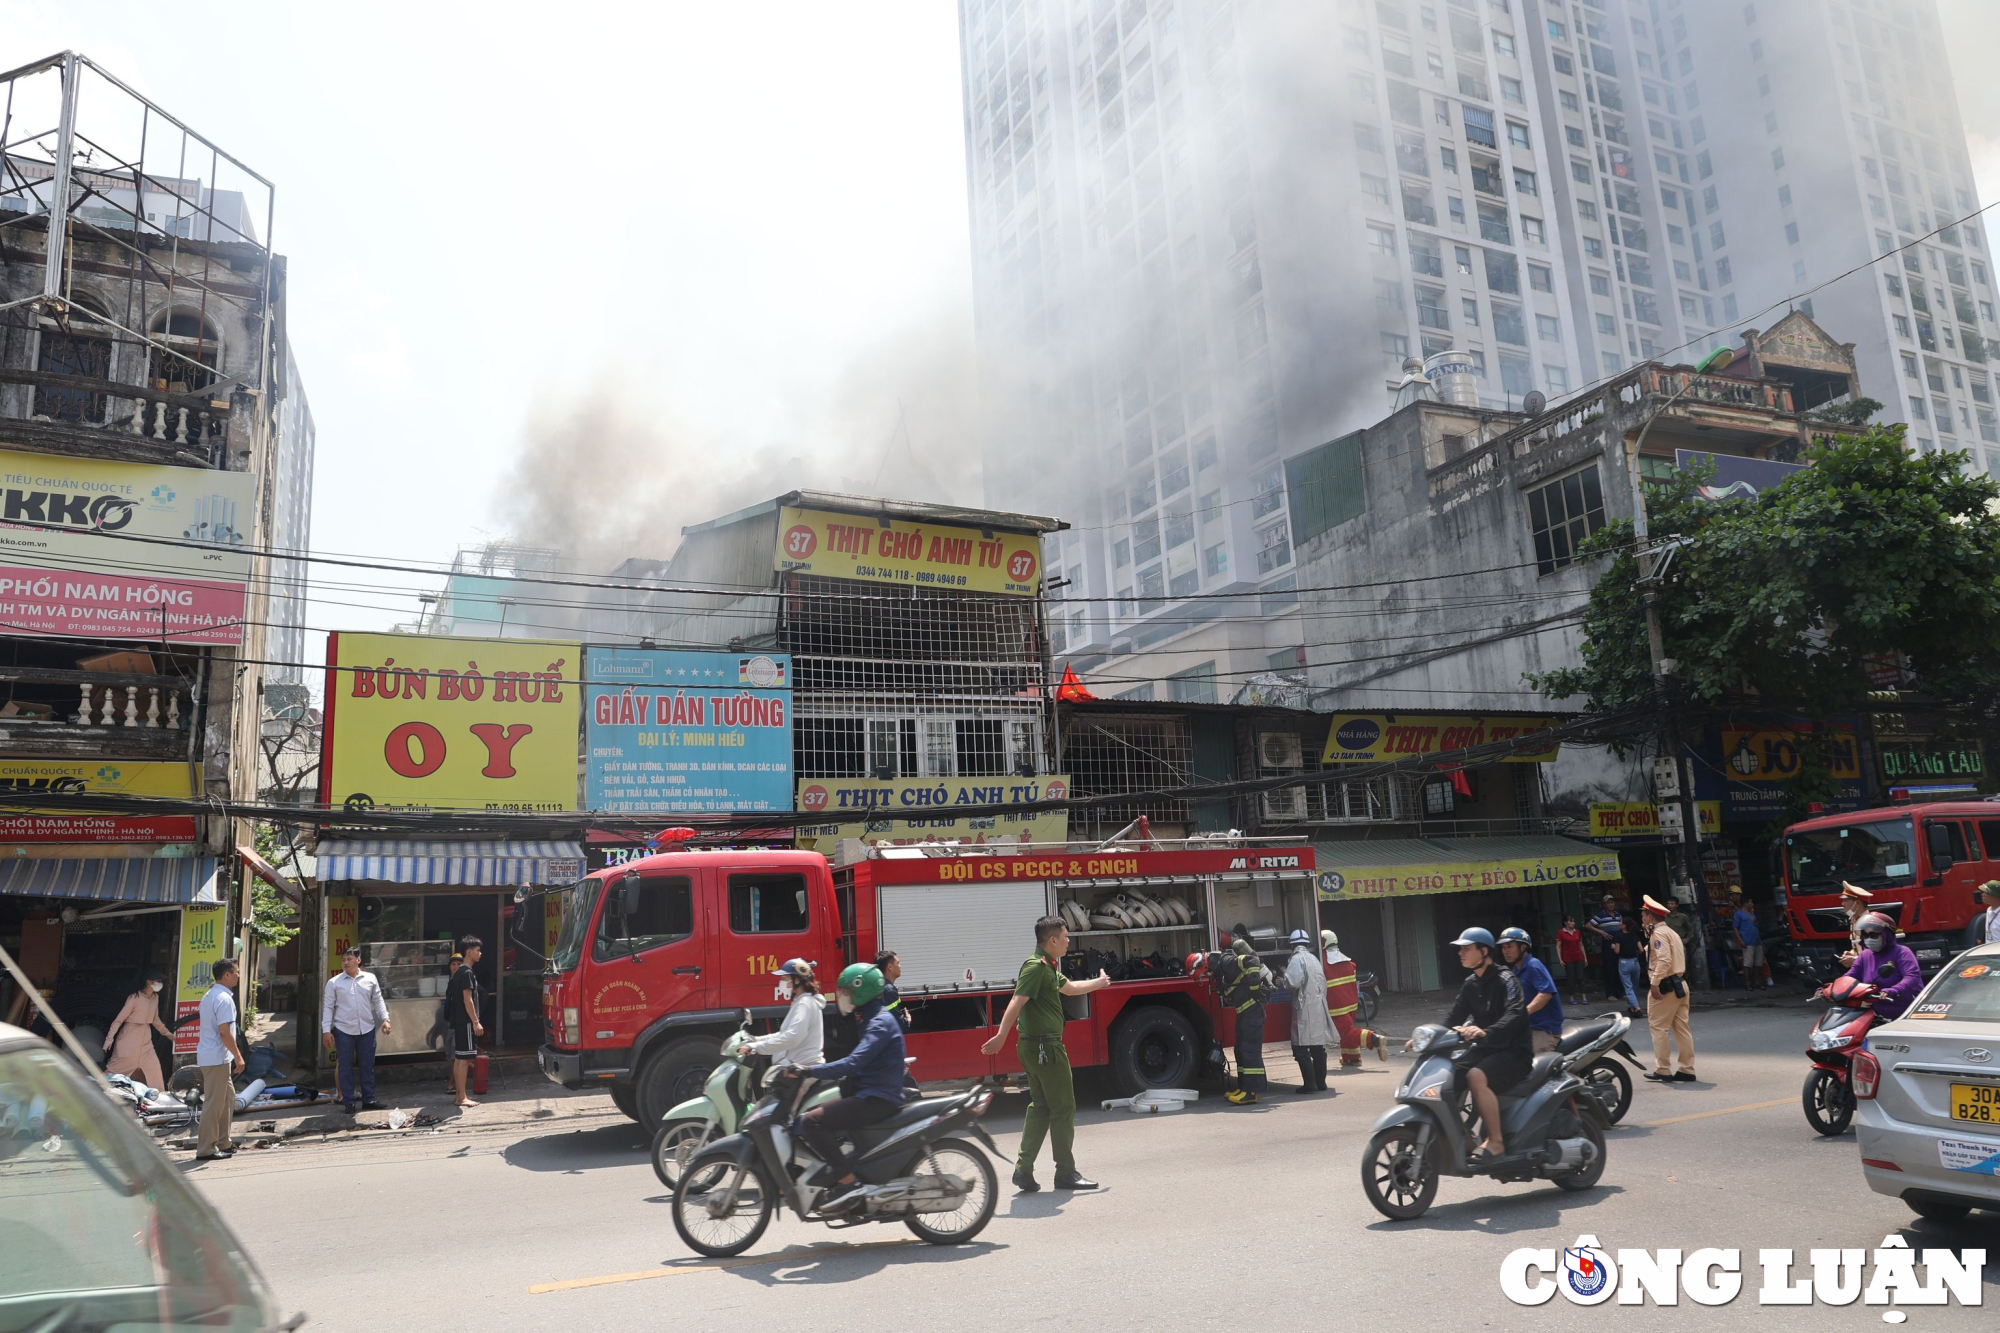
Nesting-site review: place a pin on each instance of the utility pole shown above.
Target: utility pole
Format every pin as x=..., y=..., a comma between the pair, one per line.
x=1690, y=883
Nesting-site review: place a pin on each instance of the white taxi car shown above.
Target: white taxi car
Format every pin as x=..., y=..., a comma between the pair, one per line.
x=1927, y=1092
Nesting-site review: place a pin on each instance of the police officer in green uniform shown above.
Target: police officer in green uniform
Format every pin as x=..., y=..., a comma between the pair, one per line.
x=1037, y=1007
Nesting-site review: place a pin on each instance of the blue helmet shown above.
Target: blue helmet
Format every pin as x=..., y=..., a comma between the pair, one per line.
x=796, y=968
x=1515, y=935
x=1475, y=935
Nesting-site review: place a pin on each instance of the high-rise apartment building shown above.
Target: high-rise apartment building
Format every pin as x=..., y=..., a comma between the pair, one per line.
x=1205, y=232
x=1832, y=138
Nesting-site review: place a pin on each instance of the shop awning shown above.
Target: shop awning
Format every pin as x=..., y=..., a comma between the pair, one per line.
x=175, y=880
x=1355, y=869
x=474, y=864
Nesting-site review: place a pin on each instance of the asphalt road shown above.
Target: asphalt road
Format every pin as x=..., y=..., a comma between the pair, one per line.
x=1211, y=1216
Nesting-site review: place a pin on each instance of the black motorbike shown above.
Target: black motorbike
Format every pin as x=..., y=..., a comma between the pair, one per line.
x=1551, y=1121
x=1603, y=1076
x=1368, y=997
x=913, y=1168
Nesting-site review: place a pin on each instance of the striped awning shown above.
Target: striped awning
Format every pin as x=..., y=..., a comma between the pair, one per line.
x=180, y=879
x=474, y=864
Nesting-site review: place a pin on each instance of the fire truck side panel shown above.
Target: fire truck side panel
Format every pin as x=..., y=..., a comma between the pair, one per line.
x=1931, y=902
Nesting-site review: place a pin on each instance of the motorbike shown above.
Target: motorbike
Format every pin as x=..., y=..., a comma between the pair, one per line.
x=1368, y=997
x=1828, y=1095
x=915, y=1168
x=1552, y=1122
x=731, y=1090
x=1603, y=1076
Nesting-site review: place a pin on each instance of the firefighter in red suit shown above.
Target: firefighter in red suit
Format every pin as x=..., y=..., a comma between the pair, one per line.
x=1343, y=997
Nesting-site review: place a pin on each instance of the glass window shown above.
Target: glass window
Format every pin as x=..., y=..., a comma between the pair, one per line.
x=1561, y=514
x=1821, y=858
x=664, y=914
x=1968, y=994
x=767, y=904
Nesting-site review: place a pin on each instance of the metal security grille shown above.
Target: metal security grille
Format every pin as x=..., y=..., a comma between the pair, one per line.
x=904, y=684
x=1105, y=756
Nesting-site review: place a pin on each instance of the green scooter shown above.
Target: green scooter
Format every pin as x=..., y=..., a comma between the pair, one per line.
x=731, y=1090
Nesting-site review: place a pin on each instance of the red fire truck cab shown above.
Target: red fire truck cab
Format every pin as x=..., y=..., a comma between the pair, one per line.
x=1922, y=863
x=656, y=959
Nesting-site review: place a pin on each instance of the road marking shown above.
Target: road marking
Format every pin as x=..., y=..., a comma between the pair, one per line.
x=1727, y=1110
x=796, y=1252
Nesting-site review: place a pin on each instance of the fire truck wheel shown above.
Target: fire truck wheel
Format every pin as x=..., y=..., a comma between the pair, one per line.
x=626, y=1100
x=1153, y=1047
x=674, y=1075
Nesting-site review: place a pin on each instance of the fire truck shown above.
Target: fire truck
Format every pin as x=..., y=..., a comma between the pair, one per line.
x=657, y=959
x=1922, y=863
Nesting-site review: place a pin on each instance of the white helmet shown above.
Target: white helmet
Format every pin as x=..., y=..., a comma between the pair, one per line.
x=1329, y=939
x=1302, y=939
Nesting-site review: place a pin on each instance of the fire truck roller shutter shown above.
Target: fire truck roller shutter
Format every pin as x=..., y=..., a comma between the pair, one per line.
x=958, y=934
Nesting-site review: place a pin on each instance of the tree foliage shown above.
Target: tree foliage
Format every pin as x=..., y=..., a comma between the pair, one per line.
x=1778, y=600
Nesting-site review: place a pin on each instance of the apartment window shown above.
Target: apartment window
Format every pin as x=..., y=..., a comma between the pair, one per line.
x=1586, y=210
x=1557, y=378
x=1706, y=168
x=1426, y=255
x=1716, y=236
x=1541, y=278
x=1367, y=138
x=1600, y=284
x=1462, y=257
x=1558, y=31
x=1517, y=376
x=1723, y=274
x=1593, y=247
x=1493, y=224
x=1607, y=325
x=1688, y=307
x=1910, y=364
x=1121, y=553
x=1791, y=233
x=1479, y=126
x=1383, y=239
x=1531, y=230
x=1215, y=561
x=1611, y=363
x=1275, y=549
x=1917, y=412
x=1441, y=109
x=1777, y=157
x=1508, y=326
x=1517, y=134
x=1548, y=328
x=1563, y=64
x=1196, y=685
x=1503, y=44
x=1469, y=307
x=1563, y=513
x=1579, y=171
x=1902, y=325
x=1395, y=344
x=1448, y=161
x=1568, y=100
x=1524, y=181
x=1376, y=189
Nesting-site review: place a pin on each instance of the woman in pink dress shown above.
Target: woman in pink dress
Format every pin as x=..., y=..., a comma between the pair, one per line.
x=129, y=1043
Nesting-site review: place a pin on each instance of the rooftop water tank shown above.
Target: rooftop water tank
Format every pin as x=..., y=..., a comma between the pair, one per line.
x=1454, y=376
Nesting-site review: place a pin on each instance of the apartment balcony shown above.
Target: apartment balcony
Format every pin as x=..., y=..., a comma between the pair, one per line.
x=101, y=418
x=55, y=713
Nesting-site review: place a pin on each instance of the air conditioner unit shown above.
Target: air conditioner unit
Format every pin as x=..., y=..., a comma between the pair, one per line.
x=1279, y=751
x=1286, y=805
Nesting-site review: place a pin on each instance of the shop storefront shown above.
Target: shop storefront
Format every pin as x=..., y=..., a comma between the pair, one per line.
x=84, y=929
x=406, y=904
x=1398, y=902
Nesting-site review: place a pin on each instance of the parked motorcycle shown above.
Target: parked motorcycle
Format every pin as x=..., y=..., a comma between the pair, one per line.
x=914, y=1167
x=1551, y=1121
x=1368, y=998
x=729, y=1092
x=1828, y=1095
x=1602, y=1075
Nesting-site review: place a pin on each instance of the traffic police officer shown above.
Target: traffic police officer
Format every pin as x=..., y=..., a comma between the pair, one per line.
x=1037, y=1007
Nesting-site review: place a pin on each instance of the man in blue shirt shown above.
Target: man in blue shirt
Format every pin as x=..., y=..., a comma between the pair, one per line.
x=871, y=1079
x=1545, y=1006
x=1749, y=940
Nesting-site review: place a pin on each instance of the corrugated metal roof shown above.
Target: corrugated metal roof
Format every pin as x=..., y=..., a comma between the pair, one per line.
x=486, y=864
x=179, y=879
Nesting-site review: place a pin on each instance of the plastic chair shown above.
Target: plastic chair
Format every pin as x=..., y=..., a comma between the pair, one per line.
x=1721, y=971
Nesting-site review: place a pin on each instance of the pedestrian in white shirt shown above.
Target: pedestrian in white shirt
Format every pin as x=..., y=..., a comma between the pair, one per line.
x=217, y=1055
x=350, y=1014
x=1986, y=921
x=801, y=1038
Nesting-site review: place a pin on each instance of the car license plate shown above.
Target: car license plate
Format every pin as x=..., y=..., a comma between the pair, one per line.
x=1930, y=955
x=1976, y=1101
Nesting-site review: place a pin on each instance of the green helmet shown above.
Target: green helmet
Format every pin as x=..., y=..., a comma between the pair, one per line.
x=862, y=981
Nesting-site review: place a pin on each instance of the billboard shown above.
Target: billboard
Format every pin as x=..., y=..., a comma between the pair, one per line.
x=450, y=724
x=906, y=554
x=1618, y=822
x=905, y=810
x=66, y=529
x=1583, y=866
x=202, y=946
x=95, y=778
x=691, y=732
x=1367, y=738
x=1758, y=759
x=1735, y=477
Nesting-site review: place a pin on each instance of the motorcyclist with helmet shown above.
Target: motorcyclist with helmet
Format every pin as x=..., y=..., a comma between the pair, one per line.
x=871, y=1079
x=1888, y=963
x=1545, y=1006
x=1492, y=1014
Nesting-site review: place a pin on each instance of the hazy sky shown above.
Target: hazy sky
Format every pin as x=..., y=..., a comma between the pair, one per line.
x=737, y=227
x=708, y=213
